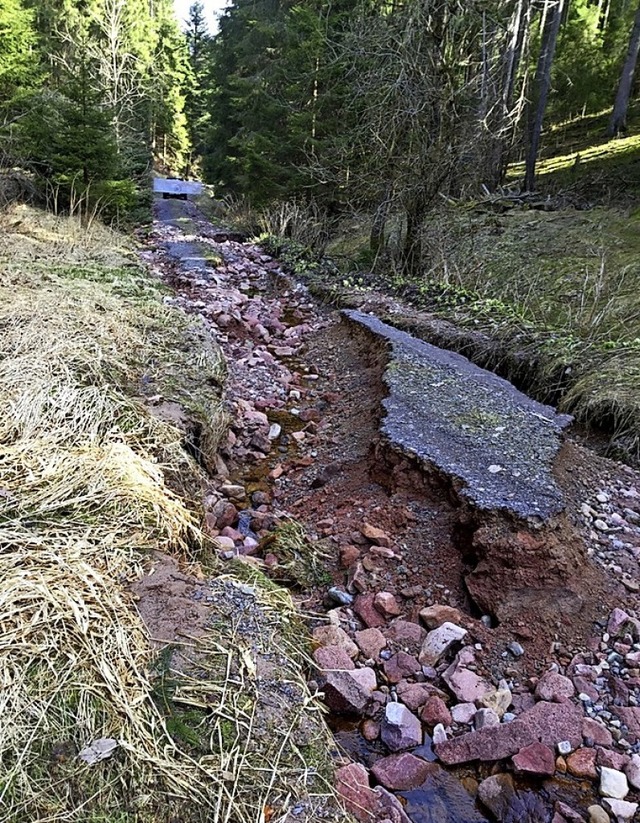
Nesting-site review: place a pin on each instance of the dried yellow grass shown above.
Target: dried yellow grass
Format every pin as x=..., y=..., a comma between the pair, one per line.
x=83, y=497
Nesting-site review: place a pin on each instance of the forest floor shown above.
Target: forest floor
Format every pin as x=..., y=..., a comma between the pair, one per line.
x=378, y=549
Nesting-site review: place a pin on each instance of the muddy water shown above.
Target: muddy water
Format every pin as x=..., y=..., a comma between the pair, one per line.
x=450, y=795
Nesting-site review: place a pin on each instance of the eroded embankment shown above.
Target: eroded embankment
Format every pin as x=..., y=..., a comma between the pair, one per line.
x=139, y=683
x=491, y=450
x=385, y=554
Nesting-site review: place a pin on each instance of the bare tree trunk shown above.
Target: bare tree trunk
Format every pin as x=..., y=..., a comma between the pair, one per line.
x=376, y=237
x=542, y=84
x=412, y=247
x=618, y=121
x=514, y=50
x=516, y=38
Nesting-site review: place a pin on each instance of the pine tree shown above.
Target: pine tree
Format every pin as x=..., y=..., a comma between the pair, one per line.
x=199, y=92
x=170, y=78
x=19, y=59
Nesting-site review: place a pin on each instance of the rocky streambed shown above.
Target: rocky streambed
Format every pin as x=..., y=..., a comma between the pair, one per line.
x=473, y=594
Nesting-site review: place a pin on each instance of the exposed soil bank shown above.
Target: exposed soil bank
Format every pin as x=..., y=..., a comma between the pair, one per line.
x=305, y=396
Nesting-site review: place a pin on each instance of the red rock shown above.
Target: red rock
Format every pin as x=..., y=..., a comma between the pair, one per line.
x=371, y=642
x=335, y=636
x=466, y=685
x=352, y=784
x=523, y=702
x=407, y=634
x=401, y=772
x=619, y=620
x=547, y=723
x=308, y=415
x=364, y=608
x=370, y=565
x=435, y=711
x=277, y=472
x=333, y=658
x=619, y=691
x=401, y=665
x=370, y=730
x=565, y=814
x=582, y=763
x=377, y=536
x=210, y=524
x=357, y=579
x=410, y=592
x=415, y=695
x=584, y=686
x=348, y=692
x=596, y=733
x=234, y=534
x=386, y=554
x=535, y=758
x=436, y=615
x=630, y=717
x=225, y=513
x=554, y=687
x=261, y=443
x=611, y=759
x=348, y=556
x=386, y=604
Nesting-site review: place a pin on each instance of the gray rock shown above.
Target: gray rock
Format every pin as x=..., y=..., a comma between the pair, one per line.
x=340, y=596
x=485, y=718
x=613, y=783
x=622, y=810
x=400, y=728
x=438, y=641
x=439, y=734
x=463, y=712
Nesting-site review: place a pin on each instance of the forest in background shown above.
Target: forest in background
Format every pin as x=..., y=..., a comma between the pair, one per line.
x=351, y=105
x=387, y=106
x=91, y=91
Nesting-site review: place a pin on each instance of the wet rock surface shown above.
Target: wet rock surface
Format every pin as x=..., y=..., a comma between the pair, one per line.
x=496, y=444
x=539, y=651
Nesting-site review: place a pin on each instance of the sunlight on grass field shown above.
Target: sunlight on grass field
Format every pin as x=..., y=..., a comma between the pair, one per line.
x=613, y=151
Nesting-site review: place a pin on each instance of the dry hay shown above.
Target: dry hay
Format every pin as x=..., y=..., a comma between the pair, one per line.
x=83, y=496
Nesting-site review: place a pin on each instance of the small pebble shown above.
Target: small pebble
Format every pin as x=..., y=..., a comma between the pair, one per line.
x=515, y=649
x=340, y=596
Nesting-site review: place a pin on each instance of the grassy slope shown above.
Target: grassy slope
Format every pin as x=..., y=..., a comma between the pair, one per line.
x=557, y=291
x=91, y=481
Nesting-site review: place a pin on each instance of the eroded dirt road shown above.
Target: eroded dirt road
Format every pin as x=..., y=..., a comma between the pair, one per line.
x=404, y=557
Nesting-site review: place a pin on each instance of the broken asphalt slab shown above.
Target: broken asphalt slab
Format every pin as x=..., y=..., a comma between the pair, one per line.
x=496, y=444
